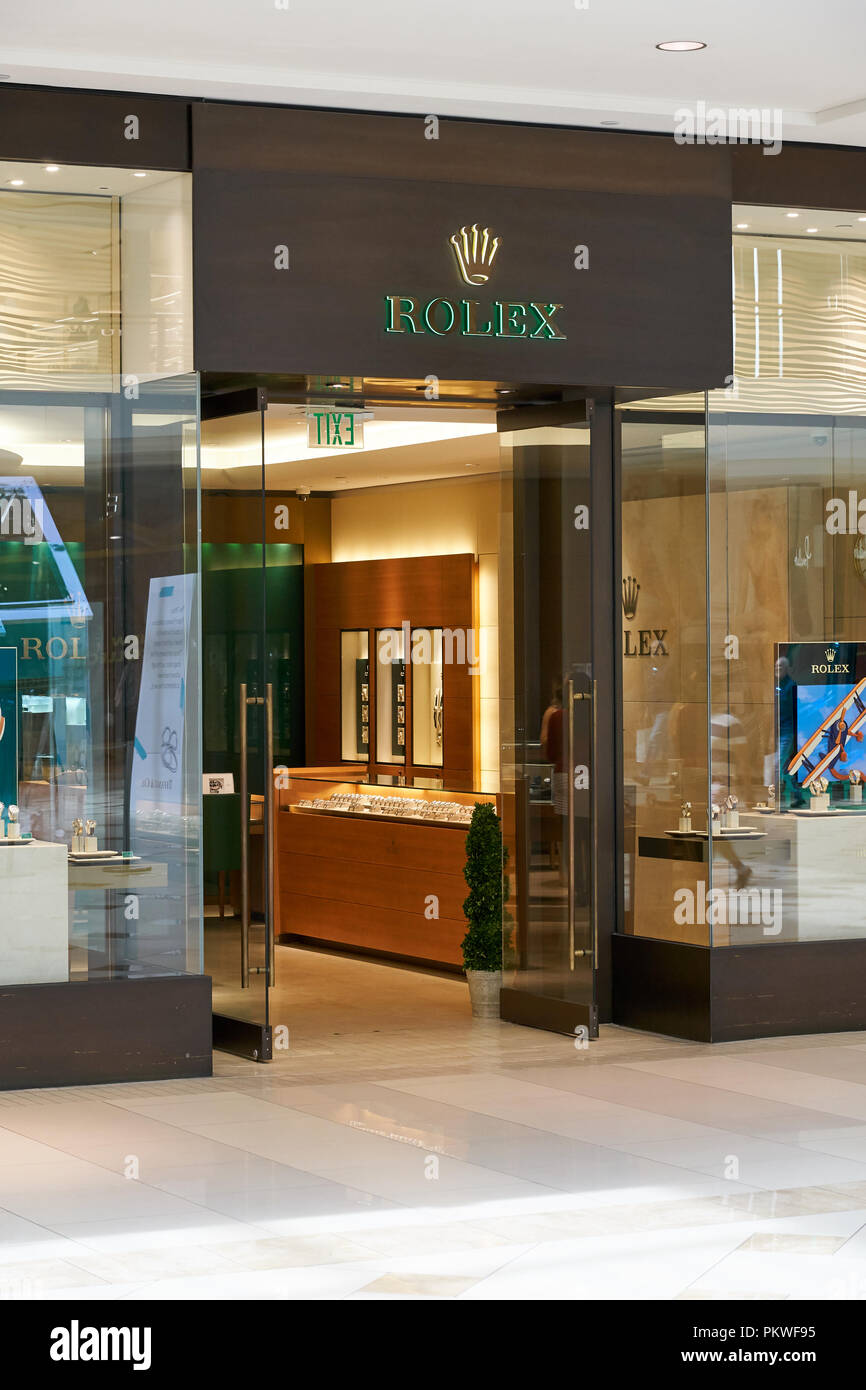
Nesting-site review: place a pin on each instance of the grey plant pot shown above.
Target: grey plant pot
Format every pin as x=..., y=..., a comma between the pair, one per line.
x=484, y=987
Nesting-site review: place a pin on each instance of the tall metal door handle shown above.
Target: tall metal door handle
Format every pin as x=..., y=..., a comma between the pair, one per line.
x=570, y=698
x=269, y=832
x=245, y=843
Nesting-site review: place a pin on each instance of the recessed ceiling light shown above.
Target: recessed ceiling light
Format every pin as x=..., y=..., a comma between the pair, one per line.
x=811, y=230
x=5, y=76
x=792, y=214
x=52, y=168
x=610, y=123
x=680, y=45
x=861, y=219
x=139, y=174
x=742, y=226
x=16, y=183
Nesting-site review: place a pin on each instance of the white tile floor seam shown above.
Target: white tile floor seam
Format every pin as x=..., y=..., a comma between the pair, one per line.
x=449, y=1160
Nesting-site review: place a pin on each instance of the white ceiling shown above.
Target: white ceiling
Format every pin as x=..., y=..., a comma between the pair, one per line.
x=29, y=177
x=401, y=445
x=575, y=62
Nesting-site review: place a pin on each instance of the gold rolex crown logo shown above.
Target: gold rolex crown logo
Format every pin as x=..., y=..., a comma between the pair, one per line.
x=475, y=251
x=830, y=653
x=630, y=591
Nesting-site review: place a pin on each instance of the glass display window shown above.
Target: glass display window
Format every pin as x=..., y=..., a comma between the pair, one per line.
x=392, y=701
x=355, y=705
x=428, y=713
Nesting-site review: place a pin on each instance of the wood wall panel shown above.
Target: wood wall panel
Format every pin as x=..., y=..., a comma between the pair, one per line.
x=425, y=591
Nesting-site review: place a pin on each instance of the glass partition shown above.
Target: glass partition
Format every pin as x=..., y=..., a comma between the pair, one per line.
x=745, y=729
x=96, y=268
x=428, y=724
x=549, y=716
x=100, y=765
x=663, y=617
x=355, y=695
x=391, y=702
x=786, y=468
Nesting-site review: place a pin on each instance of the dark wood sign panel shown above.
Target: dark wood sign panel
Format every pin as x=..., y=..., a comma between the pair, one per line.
x=652, y=309
x=366, y=208
x=94, y=128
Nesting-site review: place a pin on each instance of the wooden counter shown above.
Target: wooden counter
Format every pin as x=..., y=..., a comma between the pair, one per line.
x=372, y=884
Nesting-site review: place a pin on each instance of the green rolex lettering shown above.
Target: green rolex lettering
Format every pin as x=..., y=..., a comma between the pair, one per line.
x=546, y=328
x=468, y=321
x=401, y=309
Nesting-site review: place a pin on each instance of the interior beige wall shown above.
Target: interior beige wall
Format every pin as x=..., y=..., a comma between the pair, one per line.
x=58, y=316
x=665, y=727
x=454, y=516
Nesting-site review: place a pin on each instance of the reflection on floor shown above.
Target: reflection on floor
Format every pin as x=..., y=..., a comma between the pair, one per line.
x=399, y=1150
x=324, y=1000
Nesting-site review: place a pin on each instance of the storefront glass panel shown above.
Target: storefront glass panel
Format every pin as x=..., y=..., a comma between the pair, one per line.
x=748, y=828
x=549, y=716
x=100, y=766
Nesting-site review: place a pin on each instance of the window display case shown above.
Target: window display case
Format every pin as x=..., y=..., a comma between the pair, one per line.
x=428, y=713
x=355, y=695
x=391, y=696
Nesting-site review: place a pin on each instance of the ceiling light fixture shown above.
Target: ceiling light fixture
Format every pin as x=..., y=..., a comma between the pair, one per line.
x=139, y=174
x=742, y=226
x=680, y=45
x=792, y=214
x=16, y=183
x=610, y=123
x=811, y=230
x=52, y=168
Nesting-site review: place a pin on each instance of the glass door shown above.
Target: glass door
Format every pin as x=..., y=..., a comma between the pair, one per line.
x=238, y=721
x=549, y=770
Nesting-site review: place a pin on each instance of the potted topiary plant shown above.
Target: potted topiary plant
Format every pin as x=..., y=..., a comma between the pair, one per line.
x=484, y=872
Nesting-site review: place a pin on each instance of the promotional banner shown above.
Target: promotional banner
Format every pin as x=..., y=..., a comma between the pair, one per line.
x=9, y=726
x=821, y=718
x=156, y=793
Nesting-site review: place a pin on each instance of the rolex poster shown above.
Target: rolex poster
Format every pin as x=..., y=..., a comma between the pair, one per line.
x=820, y=719
x=8, y=725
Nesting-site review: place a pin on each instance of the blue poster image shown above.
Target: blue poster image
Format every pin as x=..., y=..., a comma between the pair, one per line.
x=821, y=716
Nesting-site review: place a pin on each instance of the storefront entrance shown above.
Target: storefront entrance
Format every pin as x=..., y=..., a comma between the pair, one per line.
x=397, y=628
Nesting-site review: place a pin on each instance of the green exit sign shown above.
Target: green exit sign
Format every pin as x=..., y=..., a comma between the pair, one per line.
x=335, y=429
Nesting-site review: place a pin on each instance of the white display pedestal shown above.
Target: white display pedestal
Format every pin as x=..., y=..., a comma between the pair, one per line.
x=824, y=886
x=34, y=921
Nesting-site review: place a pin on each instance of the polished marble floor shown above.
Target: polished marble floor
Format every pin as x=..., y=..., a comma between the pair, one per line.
x=398, y=1150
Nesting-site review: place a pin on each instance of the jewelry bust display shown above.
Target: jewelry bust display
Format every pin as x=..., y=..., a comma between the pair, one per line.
x=820, y=795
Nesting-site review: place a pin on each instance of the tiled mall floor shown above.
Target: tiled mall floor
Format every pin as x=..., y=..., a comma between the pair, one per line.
x=399, y=1150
